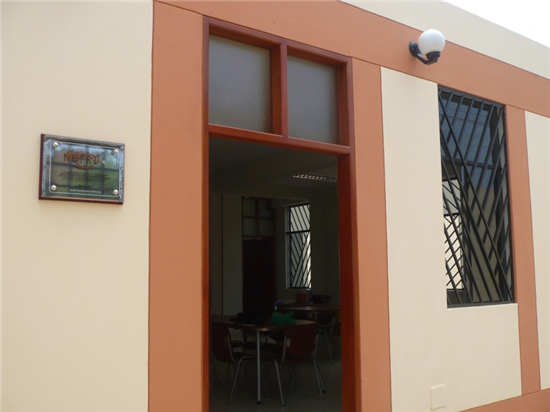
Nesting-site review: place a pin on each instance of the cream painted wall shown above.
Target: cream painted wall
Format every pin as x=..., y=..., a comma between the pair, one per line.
x=538, y=136
x=482, y=36
x=75, y=275
x=473, y=352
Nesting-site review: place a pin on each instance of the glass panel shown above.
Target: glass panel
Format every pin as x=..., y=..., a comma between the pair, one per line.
x=82, y=169
x=239, y=89
x=265, y=211
x=249, y=227
x=312, y=106
x=266, y=227
x=249, y=207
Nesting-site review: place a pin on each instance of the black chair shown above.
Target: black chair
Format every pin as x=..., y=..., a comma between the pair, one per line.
x=299, y=347
x=223, y=349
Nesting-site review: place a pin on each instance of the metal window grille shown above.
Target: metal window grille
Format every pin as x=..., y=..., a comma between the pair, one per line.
x=478, y=255
x=299, y=247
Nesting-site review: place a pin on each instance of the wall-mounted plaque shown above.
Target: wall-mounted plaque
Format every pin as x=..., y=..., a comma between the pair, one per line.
x=83, y=170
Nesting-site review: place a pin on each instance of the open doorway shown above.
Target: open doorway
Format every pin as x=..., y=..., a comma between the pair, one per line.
x=252, y=188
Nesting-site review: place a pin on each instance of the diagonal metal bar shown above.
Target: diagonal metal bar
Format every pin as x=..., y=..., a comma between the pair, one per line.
x=485, y=231
x=469, y=180
x=469, y=216
x=454, y=255
x=299, y=246
x=467, y=264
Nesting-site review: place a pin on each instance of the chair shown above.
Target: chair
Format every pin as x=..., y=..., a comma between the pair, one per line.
x=330, y=326
x=223, y=350
x=299, y=347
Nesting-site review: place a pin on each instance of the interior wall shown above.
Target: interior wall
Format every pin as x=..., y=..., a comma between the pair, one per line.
x=75, y=275
x=470, y=356
x=225, y=254
x=215, y=254
x=324, y=239
x=281, y=245
x=324, y=244
x=538, y=136
x=232, y=255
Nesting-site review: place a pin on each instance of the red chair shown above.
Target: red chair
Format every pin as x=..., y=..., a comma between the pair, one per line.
x=299, y=347
x=330, y=326
x=223, y=349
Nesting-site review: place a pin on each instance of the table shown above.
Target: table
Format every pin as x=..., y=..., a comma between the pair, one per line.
x=310, y=308
x=265, y=327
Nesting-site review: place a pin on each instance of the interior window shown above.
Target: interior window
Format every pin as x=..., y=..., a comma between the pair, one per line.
x=299, y=247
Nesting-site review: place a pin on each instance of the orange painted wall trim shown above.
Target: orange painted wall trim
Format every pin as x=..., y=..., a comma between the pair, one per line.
x=175, y=272
x=345, y=29
x=523, y=249
x=372, y=239
x=535, y=402
x=205, y=222
x=347, y=232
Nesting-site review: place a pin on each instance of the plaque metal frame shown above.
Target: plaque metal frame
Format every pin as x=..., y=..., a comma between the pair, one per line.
x=81, y=170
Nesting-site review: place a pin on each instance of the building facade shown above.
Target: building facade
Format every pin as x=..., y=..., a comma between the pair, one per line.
x=106, y=307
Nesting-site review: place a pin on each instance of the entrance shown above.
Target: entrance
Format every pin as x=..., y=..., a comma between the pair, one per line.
x=252, y=188
x=277, y=127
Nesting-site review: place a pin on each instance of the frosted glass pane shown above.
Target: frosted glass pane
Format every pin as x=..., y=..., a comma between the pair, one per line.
x=249, y=227
x=265, y=211
x=249, y=207
x=266, y=227
x=239, y=89
x=312, y=107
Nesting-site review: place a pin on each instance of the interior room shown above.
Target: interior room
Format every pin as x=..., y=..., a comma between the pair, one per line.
x=252, y=189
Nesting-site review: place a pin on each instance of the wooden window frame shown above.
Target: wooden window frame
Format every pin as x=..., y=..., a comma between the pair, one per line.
x=257, y=218
x=279, y=50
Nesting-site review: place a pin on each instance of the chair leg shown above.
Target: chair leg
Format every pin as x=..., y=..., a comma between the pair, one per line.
x=235, y=380
x=328, y=347
x=264, y=375
x=215, y=374
x=292, y=376
x=235, y=372
x=279, y=381
x=319, y=379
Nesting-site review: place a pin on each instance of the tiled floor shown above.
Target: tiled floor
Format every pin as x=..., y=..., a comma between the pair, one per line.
x=303, y=398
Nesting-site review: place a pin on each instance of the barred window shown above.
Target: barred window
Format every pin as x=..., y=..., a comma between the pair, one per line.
x=299, y=247
x=478, y=255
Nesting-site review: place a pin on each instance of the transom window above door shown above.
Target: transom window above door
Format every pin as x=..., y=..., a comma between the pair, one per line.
x=266, y=87
x=239, y=92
